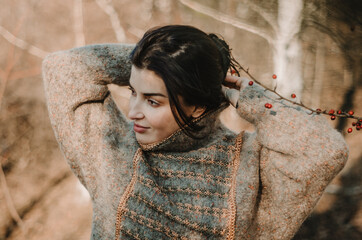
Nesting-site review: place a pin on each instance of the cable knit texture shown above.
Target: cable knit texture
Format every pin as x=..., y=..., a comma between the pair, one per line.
x=259, y=185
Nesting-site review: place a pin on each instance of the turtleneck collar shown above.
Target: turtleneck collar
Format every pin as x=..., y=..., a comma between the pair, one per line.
x=180, y=141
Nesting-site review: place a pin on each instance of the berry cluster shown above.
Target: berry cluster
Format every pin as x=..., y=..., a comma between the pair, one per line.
x=332, y=113
x=357, y=125
x=340, y=113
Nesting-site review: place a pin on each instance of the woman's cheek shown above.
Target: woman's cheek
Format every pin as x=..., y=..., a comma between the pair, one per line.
x=161, y=117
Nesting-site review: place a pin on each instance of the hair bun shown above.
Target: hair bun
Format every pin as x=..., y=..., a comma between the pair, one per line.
x=224, y=50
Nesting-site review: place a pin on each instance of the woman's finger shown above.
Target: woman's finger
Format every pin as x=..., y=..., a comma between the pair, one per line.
x=232, y=95
x=236, y=82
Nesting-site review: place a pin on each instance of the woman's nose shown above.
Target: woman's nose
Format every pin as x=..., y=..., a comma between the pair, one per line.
x=135, y=111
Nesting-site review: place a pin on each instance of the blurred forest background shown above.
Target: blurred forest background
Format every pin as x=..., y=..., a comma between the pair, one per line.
x=313, y=46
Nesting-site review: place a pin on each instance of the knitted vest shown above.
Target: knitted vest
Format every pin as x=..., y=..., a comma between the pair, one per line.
x=179, y=192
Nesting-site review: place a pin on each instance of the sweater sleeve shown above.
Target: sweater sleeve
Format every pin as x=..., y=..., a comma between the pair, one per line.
x=79, y=103
x=300, y=154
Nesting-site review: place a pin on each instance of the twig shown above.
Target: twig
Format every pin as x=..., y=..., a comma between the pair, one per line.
x=226, y=19
x=264, y=14
x=349, y=191
x=22, y=44
x=5, y=74
x=30, y=72
x=137, y=32
x=318, y=111
x=9, y=202
x=107, y=7
x=78, y=23
x=9, y=146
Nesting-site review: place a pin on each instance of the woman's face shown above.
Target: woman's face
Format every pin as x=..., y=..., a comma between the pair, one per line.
x=150, y=108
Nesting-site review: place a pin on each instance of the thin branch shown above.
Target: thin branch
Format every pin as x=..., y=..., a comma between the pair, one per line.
x=9, y=202
x=226, y=19
x=5, y=74
x=318, y=111
x=78, y=23
x=264, y=14
x=349, y=191
x=108, y=8
x=22, y=44
x=30, y=72
x=337, y=38
x=135, y=31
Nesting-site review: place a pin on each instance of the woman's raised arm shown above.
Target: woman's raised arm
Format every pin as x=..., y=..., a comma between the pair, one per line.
x=79, y=103
x=299, y=155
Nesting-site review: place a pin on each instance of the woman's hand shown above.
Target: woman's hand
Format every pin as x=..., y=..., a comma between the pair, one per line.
x=232, y=86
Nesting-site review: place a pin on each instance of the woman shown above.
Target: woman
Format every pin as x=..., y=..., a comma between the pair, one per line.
x=174, y=171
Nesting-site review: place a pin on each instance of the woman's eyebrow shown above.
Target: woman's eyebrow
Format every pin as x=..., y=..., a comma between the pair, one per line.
x=150, y=94
x=154, y=94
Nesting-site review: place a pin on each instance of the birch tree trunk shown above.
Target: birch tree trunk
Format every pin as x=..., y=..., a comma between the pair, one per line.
x=285, y=43
x=78, y=23
x=287, y=49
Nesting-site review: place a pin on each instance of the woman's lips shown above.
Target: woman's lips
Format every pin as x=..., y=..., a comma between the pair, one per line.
x=139, y=129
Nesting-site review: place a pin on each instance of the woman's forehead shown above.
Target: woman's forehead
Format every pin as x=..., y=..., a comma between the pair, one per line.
x=147, y=81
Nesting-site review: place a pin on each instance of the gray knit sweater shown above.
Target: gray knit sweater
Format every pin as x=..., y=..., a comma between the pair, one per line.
x=258, y=185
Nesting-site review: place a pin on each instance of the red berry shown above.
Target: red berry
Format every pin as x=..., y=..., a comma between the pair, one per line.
x=331, y=112
x=349, y=130
x=339, y=112
x=233, y=71
x=353, y=124
x=333, y=117
x=318, y=110
x=350, y=112
x=359, y=120
x=358, y=128
x=293, y=95
x=274, y=76
x=268, y=105
x=251, y=83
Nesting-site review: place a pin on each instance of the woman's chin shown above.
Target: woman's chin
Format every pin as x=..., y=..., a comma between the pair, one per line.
x=150, y=137
x=143, y=139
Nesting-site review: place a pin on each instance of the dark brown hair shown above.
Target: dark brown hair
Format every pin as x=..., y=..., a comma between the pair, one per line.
x=192, y=65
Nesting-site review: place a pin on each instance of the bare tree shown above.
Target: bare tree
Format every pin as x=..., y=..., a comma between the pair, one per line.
x=281, y=32
x=78, y=23
x=108, y=8
x=343, y=24
x=22, y=44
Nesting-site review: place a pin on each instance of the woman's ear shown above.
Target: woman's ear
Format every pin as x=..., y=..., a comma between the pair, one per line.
x=198, y=111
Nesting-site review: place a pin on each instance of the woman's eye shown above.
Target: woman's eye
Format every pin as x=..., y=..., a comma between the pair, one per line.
x=133, y=93
x=153, y=102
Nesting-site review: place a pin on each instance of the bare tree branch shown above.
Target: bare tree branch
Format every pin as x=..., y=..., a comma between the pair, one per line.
x=78, y=23
x=136, y=31
x=317, y=111
x=5, y=74
x=9, y=202
x=264, y=14
x=226, y=19
x=108, y=8
x=30, y=72
x=336, y=36
x=318, y=74
x=22, y=44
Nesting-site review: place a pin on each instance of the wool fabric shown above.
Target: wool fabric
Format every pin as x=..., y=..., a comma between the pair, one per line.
x=222, y=185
